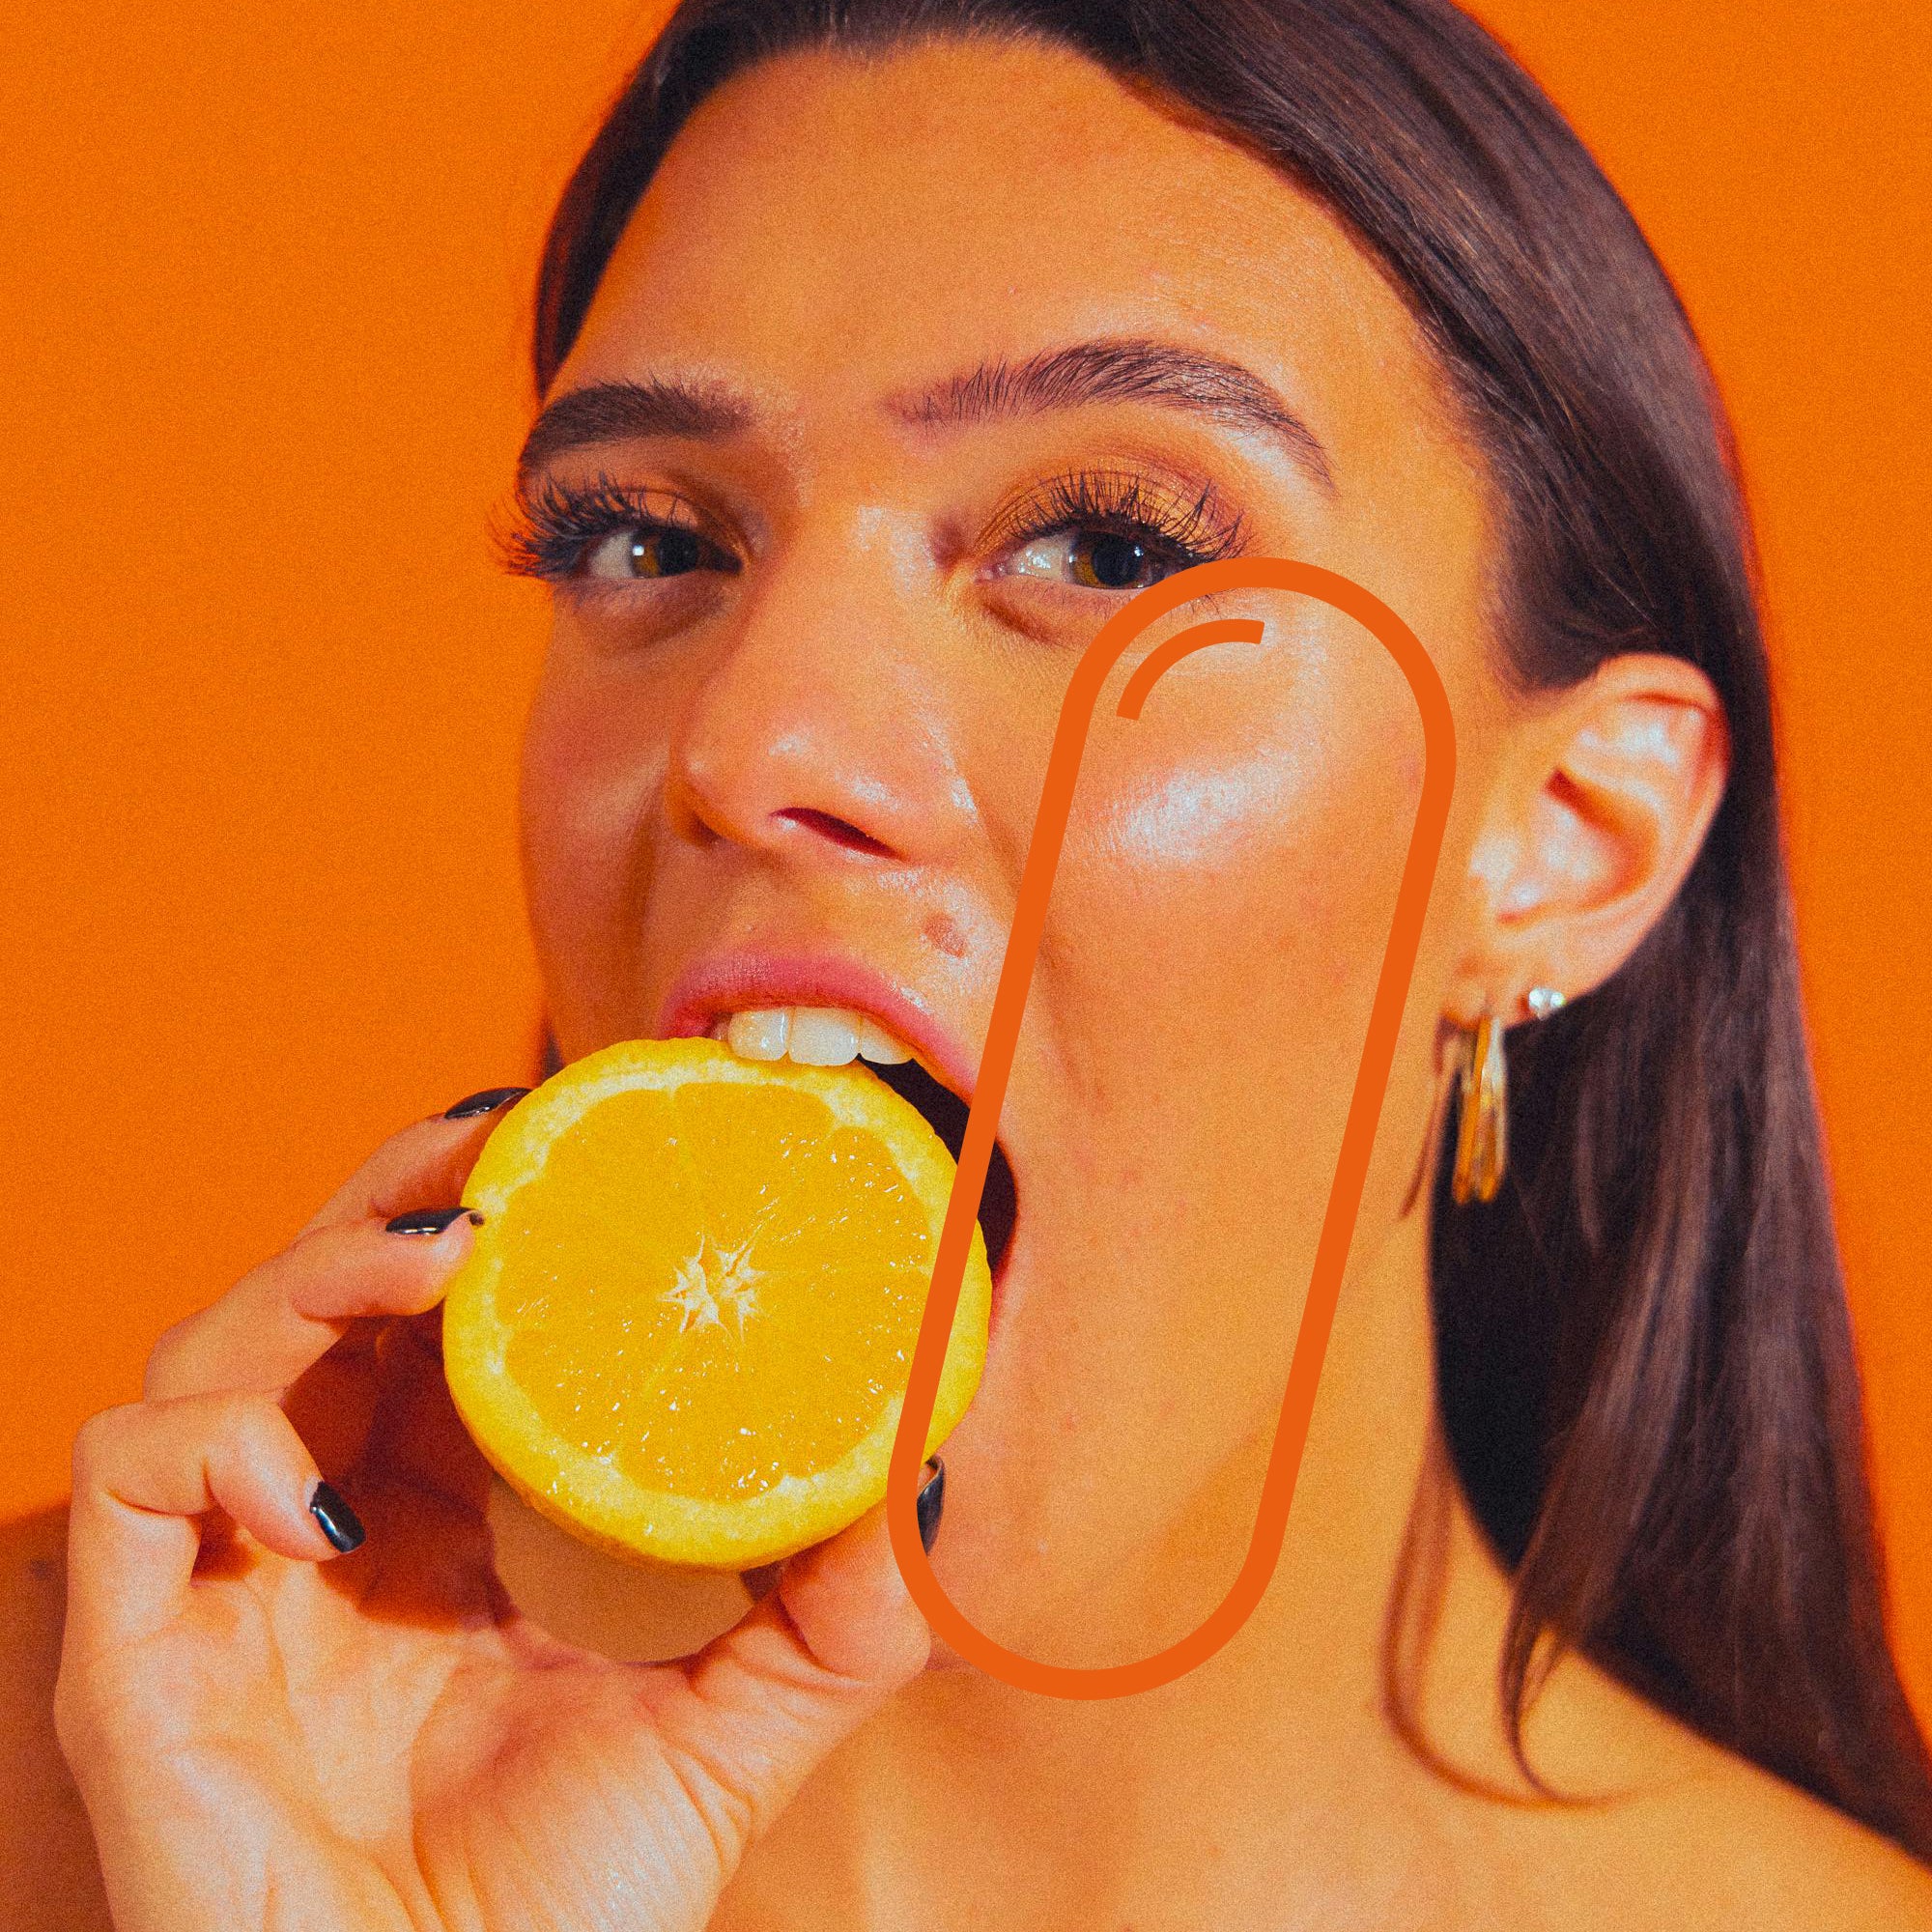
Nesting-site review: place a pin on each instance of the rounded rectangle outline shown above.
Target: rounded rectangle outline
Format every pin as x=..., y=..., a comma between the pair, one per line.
x=1344, y=1197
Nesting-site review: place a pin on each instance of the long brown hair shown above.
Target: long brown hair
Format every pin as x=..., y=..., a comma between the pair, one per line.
x=1643, y=1350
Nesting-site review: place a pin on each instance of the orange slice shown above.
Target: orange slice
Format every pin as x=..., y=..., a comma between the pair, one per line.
x=685, y=1329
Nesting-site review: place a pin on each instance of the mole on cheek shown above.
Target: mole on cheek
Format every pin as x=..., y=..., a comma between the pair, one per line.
x=943, y=931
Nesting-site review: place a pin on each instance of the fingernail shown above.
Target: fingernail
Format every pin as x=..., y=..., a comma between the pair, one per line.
x=759, y=1583
x=430, y=1220
x=931, y=1500
x=339, y=1523
x=485, y=1102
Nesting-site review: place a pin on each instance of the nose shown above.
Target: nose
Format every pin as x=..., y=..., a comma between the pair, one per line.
x=826, y=724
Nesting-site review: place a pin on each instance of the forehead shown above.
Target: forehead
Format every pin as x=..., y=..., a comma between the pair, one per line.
x=829, y=226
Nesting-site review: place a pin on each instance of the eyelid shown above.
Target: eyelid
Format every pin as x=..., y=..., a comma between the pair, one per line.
x=648, y=503
x=1195, y=517
x=555, y=522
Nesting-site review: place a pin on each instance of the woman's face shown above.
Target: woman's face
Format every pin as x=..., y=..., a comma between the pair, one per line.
x=965, y=328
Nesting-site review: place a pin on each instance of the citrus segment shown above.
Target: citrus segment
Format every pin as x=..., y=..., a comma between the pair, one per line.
x=686, y=1325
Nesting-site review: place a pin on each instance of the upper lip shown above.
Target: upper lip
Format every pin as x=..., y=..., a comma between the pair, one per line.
x=709, y=988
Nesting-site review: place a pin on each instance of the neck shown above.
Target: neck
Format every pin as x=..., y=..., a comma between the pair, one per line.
x=1278, y=1738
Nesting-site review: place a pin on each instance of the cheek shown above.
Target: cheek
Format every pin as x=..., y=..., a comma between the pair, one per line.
x=1249, y=854
x=1218, y=932
x=592, y=761
x=1228, y=862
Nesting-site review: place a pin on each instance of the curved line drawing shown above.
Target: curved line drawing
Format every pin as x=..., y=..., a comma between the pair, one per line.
x=1163, y=657
x=1338, y=1227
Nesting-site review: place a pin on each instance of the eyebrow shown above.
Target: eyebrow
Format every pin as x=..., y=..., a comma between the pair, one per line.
x=606, y=413
x=1118, y=369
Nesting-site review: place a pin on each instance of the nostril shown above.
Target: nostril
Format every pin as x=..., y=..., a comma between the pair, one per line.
x=839, y=830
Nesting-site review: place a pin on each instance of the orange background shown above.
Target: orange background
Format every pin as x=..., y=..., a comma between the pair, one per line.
x=266, y=288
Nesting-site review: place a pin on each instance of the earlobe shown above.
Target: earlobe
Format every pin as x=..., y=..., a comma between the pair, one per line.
x=1585, y=849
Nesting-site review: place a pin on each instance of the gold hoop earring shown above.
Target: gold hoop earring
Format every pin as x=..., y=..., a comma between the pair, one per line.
x=1482, y=1128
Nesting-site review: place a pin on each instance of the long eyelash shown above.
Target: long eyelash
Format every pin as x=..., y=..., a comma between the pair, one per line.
x=1122, y=503
x=552, y=526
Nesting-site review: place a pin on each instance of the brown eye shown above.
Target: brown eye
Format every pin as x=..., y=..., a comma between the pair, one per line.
x=1106, y=560
x=647, y=550
x=1096, y=559
x=1111, y=531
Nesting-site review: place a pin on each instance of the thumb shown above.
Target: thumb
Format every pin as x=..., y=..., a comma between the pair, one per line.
x=775, y=1696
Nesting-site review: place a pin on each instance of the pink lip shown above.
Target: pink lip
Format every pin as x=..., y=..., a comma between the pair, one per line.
x=728, y=982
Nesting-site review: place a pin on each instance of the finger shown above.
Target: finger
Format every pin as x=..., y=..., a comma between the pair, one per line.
x=773, y=1699
x=415, y=1438
x=423, y=1165
x=142, y=1476
x=282, y=1317
x=846, y=1601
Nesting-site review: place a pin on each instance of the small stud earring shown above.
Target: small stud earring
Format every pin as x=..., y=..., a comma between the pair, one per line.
x=1543, y=1001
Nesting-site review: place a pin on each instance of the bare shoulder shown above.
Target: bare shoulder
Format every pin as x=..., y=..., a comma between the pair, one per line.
x=1796, y=1860
x=49, y=1878
x=1708, y=1838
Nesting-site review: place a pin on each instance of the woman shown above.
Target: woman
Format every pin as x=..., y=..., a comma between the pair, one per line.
x=885, y=349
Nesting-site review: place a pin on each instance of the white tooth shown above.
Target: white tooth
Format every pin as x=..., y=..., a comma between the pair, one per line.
x=823, y=1035
x=759, y=1032
x=877, y=1043
x=811, y=1036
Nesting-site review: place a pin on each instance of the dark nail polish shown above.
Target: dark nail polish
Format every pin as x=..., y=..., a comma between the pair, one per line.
x=339, y=1523
x=931, y=1500
x=759, y=1583
x=485, y=1102
x=429, y=1220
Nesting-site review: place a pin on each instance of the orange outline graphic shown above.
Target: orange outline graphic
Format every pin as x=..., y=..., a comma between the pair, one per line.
x=1344, y=1196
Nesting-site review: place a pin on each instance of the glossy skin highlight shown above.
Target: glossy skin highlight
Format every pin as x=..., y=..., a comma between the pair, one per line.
x=829, y=738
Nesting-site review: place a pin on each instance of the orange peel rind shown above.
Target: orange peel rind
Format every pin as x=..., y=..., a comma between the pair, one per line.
x=685, y=1327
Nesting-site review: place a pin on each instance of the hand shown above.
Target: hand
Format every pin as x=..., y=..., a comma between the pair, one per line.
x=268, y=1733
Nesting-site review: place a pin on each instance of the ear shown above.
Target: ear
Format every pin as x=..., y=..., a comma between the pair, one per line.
x=1600, y=806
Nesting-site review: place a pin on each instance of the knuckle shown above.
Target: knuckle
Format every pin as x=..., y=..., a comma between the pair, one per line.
x=318, y=1236
x=221, y=1418
x=96, y=1442
x=170, y=1345
x=259, y=1430
x=309, y=1254
x=172, y=1357
x=308, y=1275
x=378, y=1176
x=234, y=1415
